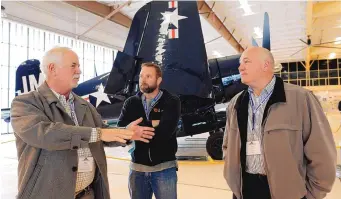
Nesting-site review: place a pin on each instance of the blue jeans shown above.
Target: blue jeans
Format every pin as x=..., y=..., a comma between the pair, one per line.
x=163, y=184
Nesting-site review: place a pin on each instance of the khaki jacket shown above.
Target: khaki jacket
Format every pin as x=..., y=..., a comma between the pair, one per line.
x=298, y=145
x=47, y=141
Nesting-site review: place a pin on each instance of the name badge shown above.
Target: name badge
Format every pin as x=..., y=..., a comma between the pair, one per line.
x=253, y=148
x=85, y=164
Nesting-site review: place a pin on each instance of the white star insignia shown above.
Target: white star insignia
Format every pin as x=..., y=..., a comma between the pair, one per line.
x=172, y=17
x=100, y=96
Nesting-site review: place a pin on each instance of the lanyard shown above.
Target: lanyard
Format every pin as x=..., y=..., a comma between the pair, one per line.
x=72, y=112
x=255, y=109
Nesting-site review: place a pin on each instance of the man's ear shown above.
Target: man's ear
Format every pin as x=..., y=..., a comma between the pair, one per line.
x=159, y=80
x=51, y=68
x=267, y=65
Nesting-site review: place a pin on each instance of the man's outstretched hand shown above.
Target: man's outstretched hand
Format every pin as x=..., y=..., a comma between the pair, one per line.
x=141, y=133
x=132, y=132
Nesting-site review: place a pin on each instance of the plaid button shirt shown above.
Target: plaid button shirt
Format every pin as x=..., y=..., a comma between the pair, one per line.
x=84, y=179
x=255, y=163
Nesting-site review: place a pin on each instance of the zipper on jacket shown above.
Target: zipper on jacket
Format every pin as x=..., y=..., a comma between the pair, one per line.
x=241, y=182
x=263, y=146
x=240, y=171
x=150, y=157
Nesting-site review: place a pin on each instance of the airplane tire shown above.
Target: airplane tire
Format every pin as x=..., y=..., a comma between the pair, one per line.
x=214, y=145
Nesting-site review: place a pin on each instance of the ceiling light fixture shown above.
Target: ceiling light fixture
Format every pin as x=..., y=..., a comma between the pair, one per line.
x=332, y=55
x=337, y=40
x=217, y=54
x=258, y=32
x=246, y=7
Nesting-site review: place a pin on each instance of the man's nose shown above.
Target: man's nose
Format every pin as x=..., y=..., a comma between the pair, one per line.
x=78, y=71
x=240, y=67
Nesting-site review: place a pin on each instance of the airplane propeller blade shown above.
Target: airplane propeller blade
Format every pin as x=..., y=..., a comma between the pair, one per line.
x=303, y=41
x=328, y=42
x=299, y=51
x=266, y=32
x=327, y=47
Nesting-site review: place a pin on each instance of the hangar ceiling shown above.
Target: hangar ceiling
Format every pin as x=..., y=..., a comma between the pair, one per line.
x=290, y=23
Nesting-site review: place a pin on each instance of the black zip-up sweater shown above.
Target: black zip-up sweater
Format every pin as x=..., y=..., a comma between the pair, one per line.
x=163, y=146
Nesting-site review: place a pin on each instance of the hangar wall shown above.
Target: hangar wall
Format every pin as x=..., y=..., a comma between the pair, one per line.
x=20, y=42
x=322, y=73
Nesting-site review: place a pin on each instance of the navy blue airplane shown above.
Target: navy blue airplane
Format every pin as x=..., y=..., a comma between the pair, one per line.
x=170, y=35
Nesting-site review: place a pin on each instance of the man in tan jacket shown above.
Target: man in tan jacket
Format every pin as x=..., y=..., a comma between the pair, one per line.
x=278, y=143
x=60, y=137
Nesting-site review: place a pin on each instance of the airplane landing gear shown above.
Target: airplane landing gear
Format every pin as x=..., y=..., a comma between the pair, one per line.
x=214, y=145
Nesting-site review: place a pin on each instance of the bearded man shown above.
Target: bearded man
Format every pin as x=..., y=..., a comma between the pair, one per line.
x=153, y=166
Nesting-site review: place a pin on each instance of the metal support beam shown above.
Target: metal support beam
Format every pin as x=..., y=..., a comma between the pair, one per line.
x=102, y=11
x=218, y=25
x=107, y=17
x=309, y=21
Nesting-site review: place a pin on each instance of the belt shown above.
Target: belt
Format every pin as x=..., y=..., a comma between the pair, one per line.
x=84, y=192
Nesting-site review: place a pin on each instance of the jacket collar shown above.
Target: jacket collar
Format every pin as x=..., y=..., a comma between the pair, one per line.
x=164, y=93
x=79, y=103
x=45, y=90
x=278, y=95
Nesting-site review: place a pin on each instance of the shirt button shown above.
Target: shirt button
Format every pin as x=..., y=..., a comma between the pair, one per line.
x=74, y=169
x=75, y=147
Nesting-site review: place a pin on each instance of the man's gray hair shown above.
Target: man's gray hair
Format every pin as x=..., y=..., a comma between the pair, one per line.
x=52, y=56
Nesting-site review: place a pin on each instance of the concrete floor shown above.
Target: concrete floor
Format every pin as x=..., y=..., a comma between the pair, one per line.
x=196, y=179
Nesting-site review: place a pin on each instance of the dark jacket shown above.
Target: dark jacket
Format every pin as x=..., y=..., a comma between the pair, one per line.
x=163, y=146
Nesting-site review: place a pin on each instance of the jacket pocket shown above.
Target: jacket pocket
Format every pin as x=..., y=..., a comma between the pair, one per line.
x=31, y=183
x=283, y=143
x=274, y=127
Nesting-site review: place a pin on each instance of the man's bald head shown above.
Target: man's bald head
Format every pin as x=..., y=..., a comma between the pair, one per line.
x=261, y=53
x=256, y=64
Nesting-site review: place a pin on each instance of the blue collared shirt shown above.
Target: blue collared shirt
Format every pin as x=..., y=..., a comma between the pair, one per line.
x=255, y=163
x=148, y=106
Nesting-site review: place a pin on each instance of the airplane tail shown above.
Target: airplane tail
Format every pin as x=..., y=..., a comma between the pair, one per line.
x=266, y=33
x=27, y=75
x=26, y=78
x=170, y=34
